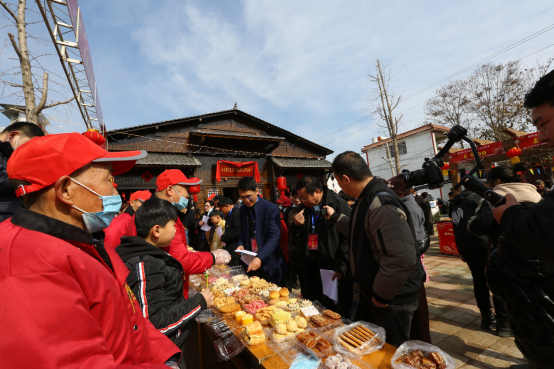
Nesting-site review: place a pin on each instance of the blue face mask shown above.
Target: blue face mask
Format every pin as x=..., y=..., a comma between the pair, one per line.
x=316, y=208
x=95, y=222
x=183, y=201
x=280, y=208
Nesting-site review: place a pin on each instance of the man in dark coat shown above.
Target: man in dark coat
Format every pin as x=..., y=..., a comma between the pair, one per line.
x=474, y=251
x=324, y=247
x=260, y=232
x=11, y=138
x=230, y=237
x=425, y=205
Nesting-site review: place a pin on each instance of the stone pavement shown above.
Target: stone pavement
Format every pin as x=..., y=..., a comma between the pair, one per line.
x=455, y=318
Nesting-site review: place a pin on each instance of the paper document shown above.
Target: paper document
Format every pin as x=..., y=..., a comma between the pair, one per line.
x=246, y=256
x=330, y=287
x=205, y=226
x=219, y=232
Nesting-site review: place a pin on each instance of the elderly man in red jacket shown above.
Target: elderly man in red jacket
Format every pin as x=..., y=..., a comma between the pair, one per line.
x=118, y=226
x=172, y=186
x=65, y=302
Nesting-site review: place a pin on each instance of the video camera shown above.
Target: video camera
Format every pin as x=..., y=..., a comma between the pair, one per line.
x=431, y=173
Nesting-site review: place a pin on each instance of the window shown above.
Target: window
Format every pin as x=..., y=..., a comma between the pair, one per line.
x=402, y=150
x=213, y=191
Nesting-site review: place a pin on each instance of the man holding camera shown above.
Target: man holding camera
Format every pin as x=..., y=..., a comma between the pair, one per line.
x=382, y=255
x=530, y=228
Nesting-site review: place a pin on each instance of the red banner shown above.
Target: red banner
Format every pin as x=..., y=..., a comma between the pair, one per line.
x=529, y=141
x=466, y=155
x=447, y=241
x=237, y=169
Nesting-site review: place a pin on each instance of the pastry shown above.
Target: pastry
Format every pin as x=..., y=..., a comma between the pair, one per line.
x=230, y=308
x=289, y=336
x=264, y=294
x=253, y=328
x=437, y=358
x=278, y=338
x=284, y=291
x=301, y=322
x=254, y=279
x=291, y=325
x=281, y=304
x=292, y=301
x=255, y=339
x=293, y=307
x=280, y=328
x=427, y=364
x=247, y=319
x=331, y=314
x=273, y=301
x=239, y=315
x=308, y=311
x=274, y=295
x=279, y=316
x=244, y=283
x=238, y=278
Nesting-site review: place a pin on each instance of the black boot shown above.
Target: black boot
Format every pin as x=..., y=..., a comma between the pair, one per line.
x=502, y=327
x=488, y=321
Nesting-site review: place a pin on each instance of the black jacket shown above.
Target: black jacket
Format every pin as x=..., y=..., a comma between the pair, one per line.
x=231, y=235
x=531, y=228
x=464, y=207
x=8, y=201
x=156, y=279
x=383, y=246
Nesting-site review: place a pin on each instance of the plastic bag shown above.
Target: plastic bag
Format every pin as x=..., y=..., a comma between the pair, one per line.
x=408, y=346
x=206, y=316
x=220, y=328
x=345, y=336
x=333, y=362
x=221, y=256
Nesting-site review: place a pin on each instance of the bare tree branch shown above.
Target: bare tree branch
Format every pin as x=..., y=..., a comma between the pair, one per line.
x=59, y=103
x=14, y=44
x=5, y=6
x=44, y=94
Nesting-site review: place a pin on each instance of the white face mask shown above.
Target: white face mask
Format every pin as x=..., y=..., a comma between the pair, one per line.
x=16, y=142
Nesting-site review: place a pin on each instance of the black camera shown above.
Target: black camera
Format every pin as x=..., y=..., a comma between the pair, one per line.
x=431, y=173
x=323, y=211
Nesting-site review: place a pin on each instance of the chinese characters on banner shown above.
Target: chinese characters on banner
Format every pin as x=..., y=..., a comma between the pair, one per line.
x=228, y=169
x=529, y=141
x=466, y=155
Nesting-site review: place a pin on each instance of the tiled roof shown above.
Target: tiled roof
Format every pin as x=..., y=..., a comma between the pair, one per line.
x=223, y=113
x=301, y=163
x=154, y=158
x=235, y=134
x=427, y=127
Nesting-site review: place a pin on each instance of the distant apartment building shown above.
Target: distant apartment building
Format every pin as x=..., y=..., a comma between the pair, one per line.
x=413, y=147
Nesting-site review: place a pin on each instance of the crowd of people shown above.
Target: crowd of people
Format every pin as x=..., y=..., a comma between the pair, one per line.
x=87, y=281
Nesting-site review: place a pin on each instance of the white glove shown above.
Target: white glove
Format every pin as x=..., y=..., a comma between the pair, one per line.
x=221, y=256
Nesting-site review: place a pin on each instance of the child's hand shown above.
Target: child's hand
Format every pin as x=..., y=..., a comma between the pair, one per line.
x=208, y=296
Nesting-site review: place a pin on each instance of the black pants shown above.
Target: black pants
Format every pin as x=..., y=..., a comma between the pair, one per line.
x=476, y=260
x=396, y=319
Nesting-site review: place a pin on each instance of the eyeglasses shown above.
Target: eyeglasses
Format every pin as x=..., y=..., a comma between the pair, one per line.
x=244, y=198
x=303, y=199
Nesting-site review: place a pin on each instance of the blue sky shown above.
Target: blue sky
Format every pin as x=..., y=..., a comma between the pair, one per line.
x=301, y=65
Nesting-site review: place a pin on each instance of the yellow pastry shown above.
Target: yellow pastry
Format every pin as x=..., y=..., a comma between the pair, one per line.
x=301, y=322
x=284, y=291
x=280, y=328
x=274, y=295
x=247, y=319
x=239, y=315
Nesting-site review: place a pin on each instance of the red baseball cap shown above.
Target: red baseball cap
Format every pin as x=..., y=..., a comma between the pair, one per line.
x=170, y=177
x=43, y=160
x=283, y=200
x=140, y=195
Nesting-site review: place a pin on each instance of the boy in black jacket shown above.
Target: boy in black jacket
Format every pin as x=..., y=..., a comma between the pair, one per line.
x=155, y=277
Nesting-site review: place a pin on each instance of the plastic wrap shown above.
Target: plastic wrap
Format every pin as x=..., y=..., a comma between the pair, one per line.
x=228, y=347
x=219, y=327
x=241, y=334
x=366, y=347
x=279, y=346
x=206, y=316
x=409, y=346
x=290, y=355
x=317, y=353
x=221, y=256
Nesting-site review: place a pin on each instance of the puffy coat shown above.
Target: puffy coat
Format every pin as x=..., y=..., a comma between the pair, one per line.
x=118, y=227
x=464, y=207
x=66, y=304
x=156, y=279
x=524, y=283
x=192, y=262
x=8, y=201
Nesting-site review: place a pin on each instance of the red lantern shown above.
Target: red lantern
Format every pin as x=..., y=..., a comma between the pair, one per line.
x=194, y=190
x=95, y=136
x=281, y=185
x=446, y=166
x=514, y=151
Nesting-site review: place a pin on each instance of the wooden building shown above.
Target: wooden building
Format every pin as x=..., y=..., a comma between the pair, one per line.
x=200, y=144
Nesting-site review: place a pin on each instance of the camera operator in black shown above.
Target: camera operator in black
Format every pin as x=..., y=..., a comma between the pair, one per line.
x=383, y=256
x=474, y=251
x=530, y=228
x=331, y=250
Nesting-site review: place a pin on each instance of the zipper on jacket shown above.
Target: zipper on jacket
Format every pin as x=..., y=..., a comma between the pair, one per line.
x=382, y=241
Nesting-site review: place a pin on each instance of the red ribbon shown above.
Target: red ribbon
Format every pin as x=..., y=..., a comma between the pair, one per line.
x=237, y=164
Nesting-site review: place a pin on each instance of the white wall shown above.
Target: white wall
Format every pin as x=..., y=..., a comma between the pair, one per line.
x=418, y=146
